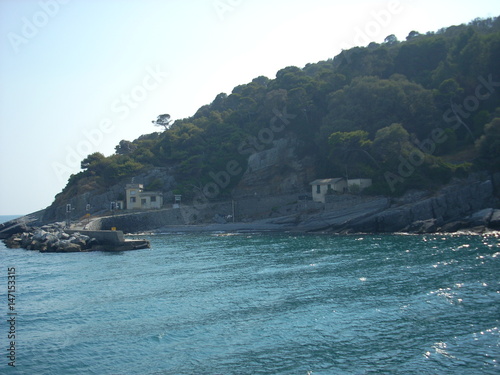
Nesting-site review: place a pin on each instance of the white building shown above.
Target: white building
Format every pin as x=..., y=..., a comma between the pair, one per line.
x=323, y=187
x=320, y=188
x=136, y=198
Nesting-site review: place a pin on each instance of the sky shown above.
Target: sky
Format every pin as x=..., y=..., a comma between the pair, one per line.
x=78, y=76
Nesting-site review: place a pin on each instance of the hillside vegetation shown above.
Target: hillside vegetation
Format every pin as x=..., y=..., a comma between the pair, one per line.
x=408, y=114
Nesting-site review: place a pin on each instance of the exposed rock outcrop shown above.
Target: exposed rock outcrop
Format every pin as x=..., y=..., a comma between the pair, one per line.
x=342, y=219
x=276, y=171
x=462, y=205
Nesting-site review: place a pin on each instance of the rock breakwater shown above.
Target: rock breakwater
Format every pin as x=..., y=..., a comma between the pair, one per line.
x=54, y=238
x=51, y=239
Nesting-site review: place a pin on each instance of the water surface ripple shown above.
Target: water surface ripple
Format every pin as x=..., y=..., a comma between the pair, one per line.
x=260, y=304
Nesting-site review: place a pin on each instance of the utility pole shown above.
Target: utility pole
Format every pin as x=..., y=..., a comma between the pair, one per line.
x=68, y=213
x=346, y=177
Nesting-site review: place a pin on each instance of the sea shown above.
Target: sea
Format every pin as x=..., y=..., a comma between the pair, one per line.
x=254, y=303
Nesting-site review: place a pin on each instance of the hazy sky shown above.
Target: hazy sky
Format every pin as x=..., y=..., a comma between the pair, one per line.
x=78, y=76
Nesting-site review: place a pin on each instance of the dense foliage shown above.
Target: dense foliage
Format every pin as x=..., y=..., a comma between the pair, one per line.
x=407, y=114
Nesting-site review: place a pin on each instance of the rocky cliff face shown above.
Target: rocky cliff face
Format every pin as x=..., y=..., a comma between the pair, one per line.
x=276, y=171
x=463, y=204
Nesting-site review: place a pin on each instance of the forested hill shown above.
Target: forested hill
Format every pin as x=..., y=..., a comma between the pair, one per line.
x=408, y=114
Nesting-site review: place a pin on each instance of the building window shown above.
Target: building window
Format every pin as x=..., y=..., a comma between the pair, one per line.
x=132, y=199
x=153, y=198
x=132, y=192
x=143, y=201
x=318, y=189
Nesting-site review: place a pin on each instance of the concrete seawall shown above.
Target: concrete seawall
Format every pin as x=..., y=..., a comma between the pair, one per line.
x=133, y=222
x=111, y=240
x=246, y=209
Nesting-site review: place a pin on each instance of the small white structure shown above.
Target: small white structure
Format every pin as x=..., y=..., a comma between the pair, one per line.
x=136, y=198
x=177, y=201
x=320, y=188
x=358, y=184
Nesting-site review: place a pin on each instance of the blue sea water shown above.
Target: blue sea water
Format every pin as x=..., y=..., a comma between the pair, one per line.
x=259, y=304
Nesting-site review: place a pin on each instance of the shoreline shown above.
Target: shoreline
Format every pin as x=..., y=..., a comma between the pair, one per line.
x=266, y=228
x=462, y=208
x=37, y=239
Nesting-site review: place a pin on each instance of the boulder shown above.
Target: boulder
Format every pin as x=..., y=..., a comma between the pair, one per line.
x=13, y=242
x=52, y=247
x=423, y=226
x=83, y=237
x=39, y=235
x=51, y=238
x=453, y=226
x=32, y=244
x=63, y=236
x=78, y=241
x=481, y=218
x=40, y=246
x=25, y=239
x=65, y=246
x=495, y=220
x=72, y=248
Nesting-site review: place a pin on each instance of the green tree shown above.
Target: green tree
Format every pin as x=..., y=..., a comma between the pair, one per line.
x=92, y=160
x=371, y=103
x=163, y=120
x=391, y=39
x=125, y=147
x=349, y=150
x=391, y=142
